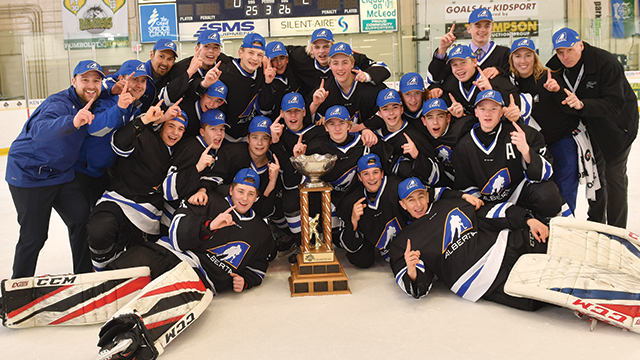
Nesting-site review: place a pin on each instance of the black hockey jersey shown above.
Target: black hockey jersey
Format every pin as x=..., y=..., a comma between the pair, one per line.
x=248, y=97
x=497, y=56
x=311, y=73
x=454, y=246
x=243, y=248
x=497, y=172
x=360, y=101
x=283, y=84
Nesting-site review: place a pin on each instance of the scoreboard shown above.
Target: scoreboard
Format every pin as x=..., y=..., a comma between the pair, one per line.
x=236, y=18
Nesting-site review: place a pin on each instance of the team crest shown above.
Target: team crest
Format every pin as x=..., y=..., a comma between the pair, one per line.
x=221, y=89
x=213, y=36
x=263, y=124
x=337, y=111
x=93, y=65
x=232, y=252
x=141, y=67
x=443, y=153
x=435, y=103
x=390, y=231
x=562, y=37
x=322, y=33
x=294, y=100
x=484, y=13
x=489, y=95
x=457, y=224
x=498, y=182
x=170, y=45
x=524, y=42
x=340, y=47
x=457, y=51
x=220, y=116
x=345, y=180
x=413, y=81
x=278, y=47
x=389, y=95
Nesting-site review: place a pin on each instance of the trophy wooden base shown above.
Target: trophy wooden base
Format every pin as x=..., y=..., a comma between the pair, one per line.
x=312, y=279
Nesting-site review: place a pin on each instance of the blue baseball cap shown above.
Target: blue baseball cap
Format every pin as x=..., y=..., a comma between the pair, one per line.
x=565, y=38
x=523, y=43
x=247, y=176
x=213, y=117
x=218, y=89
x=85, y=66
x=411, y=81
x=250, y=39
x=492, y=95
x=369, y=161
x=208, y=37
x=135, y=67
x=166, y=44
x=408, y=186
x=322, y=34
x=480, y=14
x=434, y=104
x=337, y=112
x=274, y=49
x=461, y=52
x=388, y=96
x=184, y=122
x=340, y=48
x=292, y=101
x=260, y=124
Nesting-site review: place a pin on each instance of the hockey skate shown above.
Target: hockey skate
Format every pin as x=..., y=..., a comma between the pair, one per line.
x=125, y=338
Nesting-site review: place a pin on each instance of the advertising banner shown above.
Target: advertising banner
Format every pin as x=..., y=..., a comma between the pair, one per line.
x=522, y=9
x=347, y=24
x=501, y=29
x=379, y=15
x=158, y=21
x=99, y=23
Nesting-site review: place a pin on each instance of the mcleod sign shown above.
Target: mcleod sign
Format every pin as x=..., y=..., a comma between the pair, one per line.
x=379, y=15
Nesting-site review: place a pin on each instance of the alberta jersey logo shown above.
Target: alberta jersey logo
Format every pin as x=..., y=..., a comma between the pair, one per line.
x=498, y=182
x=390, y=231
x=232, y=252
x=443, y=153
x=457, y=224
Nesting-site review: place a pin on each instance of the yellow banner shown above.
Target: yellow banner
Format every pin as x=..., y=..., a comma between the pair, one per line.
x=74, y=5
x=115, y=5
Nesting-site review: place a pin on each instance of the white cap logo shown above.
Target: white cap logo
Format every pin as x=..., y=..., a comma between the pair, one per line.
x=170, y=44
x=412, y=184
x=221, y=89
x=457, y=51
x=435, y=103
x=484, y=13
x=278, y=47
x=524, y=42
x=389, y=95
x=413, y=81
x=141, y=67
x=490, y=94
x=220, y=116
x=562, y=37
x=263, y=124
x=336, y=111
x=213, y=36
x=294, y=100
x=340, y=47
x=322, y=33
x=93, y=65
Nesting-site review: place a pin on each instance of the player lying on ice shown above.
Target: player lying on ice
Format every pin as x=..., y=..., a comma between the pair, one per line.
x=205, y=253
x=589, y=267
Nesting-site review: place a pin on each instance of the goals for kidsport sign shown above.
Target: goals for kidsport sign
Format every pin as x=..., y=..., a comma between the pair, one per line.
x=518, y=19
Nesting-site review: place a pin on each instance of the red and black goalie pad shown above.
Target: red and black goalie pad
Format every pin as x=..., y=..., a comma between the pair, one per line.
x=78, y=299
x=169, y=304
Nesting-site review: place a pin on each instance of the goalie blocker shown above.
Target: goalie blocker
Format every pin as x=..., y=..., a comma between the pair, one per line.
x=591, y=268
x=74, y=299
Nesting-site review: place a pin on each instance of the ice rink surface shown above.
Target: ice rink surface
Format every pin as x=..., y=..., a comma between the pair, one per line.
x=377, y=321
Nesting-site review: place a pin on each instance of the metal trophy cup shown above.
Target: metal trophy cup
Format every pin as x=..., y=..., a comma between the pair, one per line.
x=317, y=271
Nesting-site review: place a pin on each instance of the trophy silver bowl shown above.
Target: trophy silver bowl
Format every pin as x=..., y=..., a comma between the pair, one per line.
x=313, y=167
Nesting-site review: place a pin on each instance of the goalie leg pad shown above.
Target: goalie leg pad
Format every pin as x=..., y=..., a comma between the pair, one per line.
x=169, y=304
x=79, y=299
x=606, y=294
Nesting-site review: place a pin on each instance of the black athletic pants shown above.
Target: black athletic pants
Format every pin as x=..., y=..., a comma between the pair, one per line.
x=611, y=204
x=33, y=206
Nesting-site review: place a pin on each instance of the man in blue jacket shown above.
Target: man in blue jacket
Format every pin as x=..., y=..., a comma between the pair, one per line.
x=40, y=170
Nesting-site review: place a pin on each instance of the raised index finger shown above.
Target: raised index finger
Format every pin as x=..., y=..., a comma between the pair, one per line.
x=453, y=99
x=511, y=101
x=160, y=103
x=88, y=106
x=408, y=138
x=229, y=209
x=481, y=72
x=408, y=245
x=206, y=151
x=322, y=84
x=275, y=158
x=453, y=26
x=548, y=74
x=568, y=92
x=518, y=128
x=178, y=102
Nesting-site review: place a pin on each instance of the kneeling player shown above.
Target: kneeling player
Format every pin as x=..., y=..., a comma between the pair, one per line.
x=471, y=256
x=226, y=244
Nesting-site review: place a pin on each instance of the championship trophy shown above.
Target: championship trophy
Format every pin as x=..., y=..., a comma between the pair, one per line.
x=317, y=271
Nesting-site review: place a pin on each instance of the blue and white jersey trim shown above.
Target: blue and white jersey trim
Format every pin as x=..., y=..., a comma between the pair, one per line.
x=145, y=216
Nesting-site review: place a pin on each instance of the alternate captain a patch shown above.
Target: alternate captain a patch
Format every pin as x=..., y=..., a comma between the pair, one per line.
x=390, y=231
x=443, y=153
x=457, y=224
x=498, y=182
x=232, y=252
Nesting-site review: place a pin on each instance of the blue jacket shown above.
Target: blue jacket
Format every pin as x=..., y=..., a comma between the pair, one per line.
x=48, y=145
x=96, y=155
